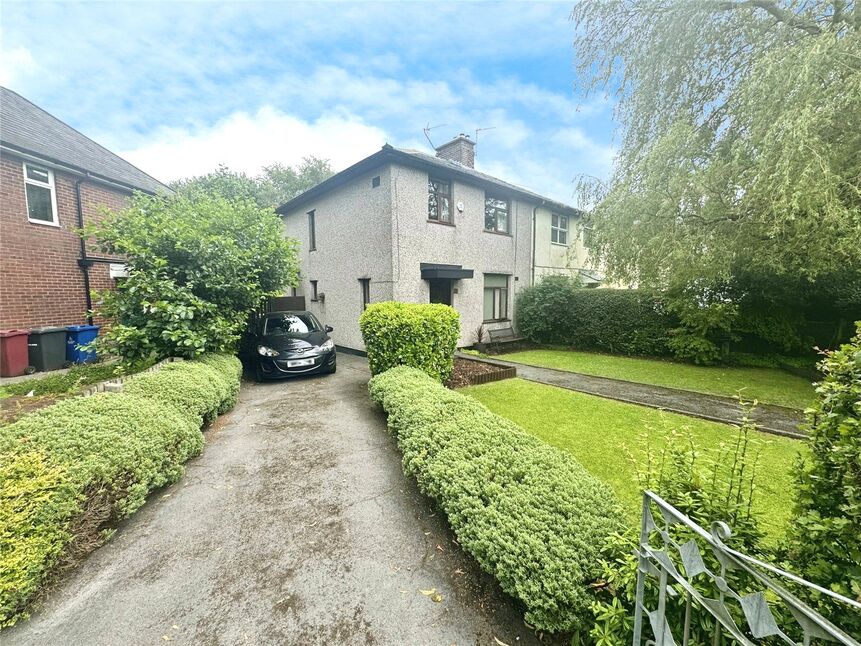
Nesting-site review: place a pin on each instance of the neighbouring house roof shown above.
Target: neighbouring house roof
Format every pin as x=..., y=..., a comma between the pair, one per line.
x=434, y=165
x=27, y=129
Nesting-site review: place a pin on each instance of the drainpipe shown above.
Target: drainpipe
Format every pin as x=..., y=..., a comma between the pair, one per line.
x=534, y=216
x=84, y=262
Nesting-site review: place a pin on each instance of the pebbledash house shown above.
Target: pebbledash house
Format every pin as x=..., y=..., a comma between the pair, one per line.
x=53, y=180
x=407, y=226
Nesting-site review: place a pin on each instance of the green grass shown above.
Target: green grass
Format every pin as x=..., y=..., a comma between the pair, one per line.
x=606, y=435
x=69, y=381
x=767, y=385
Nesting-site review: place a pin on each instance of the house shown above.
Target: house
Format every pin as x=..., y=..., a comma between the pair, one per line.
x=408, y=226
x=53, y=180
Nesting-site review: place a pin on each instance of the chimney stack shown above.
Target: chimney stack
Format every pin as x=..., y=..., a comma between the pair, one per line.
x=461, y=149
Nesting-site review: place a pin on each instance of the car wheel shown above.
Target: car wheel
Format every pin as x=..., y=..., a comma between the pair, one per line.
x=258, y=373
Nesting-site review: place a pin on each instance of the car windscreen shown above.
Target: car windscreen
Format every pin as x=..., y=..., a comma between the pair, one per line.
x=291, y=325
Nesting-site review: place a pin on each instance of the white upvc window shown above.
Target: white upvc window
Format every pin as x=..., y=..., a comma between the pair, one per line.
x=40, y=194
x=559, y=229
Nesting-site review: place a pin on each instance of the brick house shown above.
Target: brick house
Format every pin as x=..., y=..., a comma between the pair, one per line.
x=53, y=179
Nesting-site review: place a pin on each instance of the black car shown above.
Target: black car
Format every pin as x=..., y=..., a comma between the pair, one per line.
x=291, y=343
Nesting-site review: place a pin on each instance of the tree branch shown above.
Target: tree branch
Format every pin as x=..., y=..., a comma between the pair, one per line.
x=778, y=13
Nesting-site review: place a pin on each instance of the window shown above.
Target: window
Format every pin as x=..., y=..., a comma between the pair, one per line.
x=291, y=325
x=439, y=201
x=375, y=182
x=41, y=199
x=559, y=229
x=313, y=290
x=496, y=214
x=366, y=292
x=495, y=297
x=312, y=232
x=587, y=237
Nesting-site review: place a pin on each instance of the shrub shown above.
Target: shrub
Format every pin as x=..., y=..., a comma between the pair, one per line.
x=71, y=469
x=409, y=334
x=529, y=514
x=825, y=535
x=558, y=311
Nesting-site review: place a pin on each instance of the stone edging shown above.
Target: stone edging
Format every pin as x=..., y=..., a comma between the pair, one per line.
x=115, y=385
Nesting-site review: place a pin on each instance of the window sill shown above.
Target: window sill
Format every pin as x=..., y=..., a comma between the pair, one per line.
x=560, y=244
x=445, y=224
x=497, y=321
x=498, y=233
x=44, y=223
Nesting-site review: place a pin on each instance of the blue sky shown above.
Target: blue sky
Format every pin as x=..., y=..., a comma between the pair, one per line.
x=178, y=88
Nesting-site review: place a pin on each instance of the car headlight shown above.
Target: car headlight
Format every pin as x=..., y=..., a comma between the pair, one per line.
x=328, y=345
x=263, y=351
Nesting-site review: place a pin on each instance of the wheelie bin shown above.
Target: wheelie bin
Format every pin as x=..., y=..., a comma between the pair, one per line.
x=14, y=359
x=47, y=348
x=78, y=335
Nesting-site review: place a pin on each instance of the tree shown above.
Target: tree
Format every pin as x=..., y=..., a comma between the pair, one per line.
x=198, y=266
x=276, y=185
x=740, y=140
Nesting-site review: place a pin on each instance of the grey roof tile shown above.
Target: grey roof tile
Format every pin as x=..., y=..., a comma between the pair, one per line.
x=26, y=127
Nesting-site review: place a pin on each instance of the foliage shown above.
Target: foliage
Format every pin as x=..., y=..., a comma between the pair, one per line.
x=738, y=170
x=276, y=184
x=740, y=124
x=197, y=267
x=706, y=488
x=74, y=468
x=825, y=542
x=558, y=311
x=530, y=515
x=409, y=334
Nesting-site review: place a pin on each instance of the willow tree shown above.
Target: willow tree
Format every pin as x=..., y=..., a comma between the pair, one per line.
x=739, y=140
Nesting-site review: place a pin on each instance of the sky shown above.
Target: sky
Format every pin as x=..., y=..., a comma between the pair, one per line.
x=178, y=88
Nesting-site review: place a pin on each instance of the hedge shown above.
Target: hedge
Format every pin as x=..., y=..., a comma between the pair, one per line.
x=558, y=311
x=71, y=470
x=527, y=512
x=410, y=334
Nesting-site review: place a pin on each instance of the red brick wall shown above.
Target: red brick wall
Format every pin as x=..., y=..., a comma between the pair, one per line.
x=40, y=280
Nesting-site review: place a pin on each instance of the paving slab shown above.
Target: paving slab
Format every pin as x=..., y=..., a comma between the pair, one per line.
x=772, y=419
x=295, y=526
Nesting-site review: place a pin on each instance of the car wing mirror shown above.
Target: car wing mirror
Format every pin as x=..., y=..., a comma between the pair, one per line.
x=329, y=328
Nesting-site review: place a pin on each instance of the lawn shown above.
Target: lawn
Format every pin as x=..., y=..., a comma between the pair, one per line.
x=767, y=385
x=604, y=435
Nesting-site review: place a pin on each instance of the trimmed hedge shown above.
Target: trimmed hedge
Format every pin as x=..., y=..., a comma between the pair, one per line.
x=70, y=470
x=527, y=512
x=557, y=311
x=410, y=334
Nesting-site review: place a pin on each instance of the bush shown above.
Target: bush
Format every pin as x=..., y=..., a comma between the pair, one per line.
x=825, y=535
x=558, y=311
x=527, y=512
x=72, y=469
x=409, y=334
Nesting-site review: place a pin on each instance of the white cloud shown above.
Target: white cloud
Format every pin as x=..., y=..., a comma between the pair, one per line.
x=16, y=64
x=247, y=142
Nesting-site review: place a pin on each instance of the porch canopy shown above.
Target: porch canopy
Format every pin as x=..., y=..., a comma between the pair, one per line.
x=431, y=271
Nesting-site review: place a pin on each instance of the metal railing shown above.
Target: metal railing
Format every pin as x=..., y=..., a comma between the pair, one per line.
x=753, y=607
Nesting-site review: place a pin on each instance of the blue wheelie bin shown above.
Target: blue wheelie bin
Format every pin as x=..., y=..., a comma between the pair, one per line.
x=77, y=335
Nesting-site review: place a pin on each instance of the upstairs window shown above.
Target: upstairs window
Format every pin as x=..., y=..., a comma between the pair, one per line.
x=40, y=194
x=559, y=229
x=496, y=214
x=439, y=201
x=312, y=232
x=495, y=297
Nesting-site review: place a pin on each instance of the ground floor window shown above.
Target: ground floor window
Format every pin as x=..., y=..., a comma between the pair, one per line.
x=313, y=290
x=366, y=292
x=495, y=297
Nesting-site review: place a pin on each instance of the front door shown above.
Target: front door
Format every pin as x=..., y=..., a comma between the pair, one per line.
x=440, y=290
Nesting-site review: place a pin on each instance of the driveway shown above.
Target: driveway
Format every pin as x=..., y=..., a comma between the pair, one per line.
x=295, y=526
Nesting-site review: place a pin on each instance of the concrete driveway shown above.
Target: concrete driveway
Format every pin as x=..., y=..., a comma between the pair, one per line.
x=295, y=526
